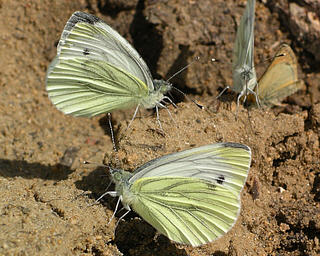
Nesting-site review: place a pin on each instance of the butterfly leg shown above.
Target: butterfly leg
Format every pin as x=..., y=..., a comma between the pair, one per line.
x=111, y=133
x=238, y=101
x=167, y=98
x=134, y=116
x=158, y=118
x=256, y=95
x=110, y=193
x=115, y=210
x=164, y=106
x=123, y=216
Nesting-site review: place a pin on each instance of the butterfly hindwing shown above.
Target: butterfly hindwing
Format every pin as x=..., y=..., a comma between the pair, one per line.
x=186, y=210
x=280, y=79
x=86, y=87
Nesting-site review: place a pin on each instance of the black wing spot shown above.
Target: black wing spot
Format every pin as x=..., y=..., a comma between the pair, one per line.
x=220, y=179
x=86, y=51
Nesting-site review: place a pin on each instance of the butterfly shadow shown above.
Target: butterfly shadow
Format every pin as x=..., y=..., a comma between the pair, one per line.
x=21, y=168
x=96, y=183
x=134, y=235
x=179, y=80
x=146, y=38
x=149, y=43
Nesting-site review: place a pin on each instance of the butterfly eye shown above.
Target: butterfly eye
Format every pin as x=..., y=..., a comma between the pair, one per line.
x=117, y=176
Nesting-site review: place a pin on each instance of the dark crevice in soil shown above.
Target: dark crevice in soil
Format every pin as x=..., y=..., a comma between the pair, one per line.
x=297, y=235
x=179, y=81
x=146, y=38
x=316, y=188
x=58, y=212
x=219, y=253
x=304, y=57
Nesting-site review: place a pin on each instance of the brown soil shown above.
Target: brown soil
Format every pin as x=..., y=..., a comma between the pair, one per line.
x=47, y=194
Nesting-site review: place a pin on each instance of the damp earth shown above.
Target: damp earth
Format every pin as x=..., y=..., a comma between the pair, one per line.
x=47, y=204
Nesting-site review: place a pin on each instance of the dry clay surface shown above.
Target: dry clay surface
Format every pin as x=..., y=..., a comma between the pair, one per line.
x=47, y=195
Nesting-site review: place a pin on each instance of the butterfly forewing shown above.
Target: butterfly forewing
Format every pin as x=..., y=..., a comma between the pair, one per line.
x=88, y=36
x=226, y=163
x=96, y=70
x=244, y=74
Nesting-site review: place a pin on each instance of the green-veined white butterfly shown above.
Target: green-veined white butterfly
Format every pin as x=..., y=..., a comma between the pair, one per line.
x=97, y=71
x=280, y=80
x=243, y=71
x=193, y=196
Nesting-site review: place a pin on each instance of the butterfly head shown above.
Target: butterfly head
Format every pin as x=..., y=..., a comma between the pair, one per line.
x=244, y=77
x=162, y=86
x=122, y=186
x=245, y=72
x=119, y=176
x=116, y=174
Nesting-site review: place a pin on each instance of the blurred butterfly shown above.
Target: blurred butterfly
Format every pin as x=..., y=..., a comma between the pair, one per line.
x=280, y=80
x=97, y=71
x=243, y=71
x=193, y=196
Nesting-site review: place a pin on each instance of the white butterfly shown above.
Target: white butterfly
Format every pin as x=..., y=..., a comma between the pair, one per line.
x=243, y=71
x=192, y=196
x=97, y=71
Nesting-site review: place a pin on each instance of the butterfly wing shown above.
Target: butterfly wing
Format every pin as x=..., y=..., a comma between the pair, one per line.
x=242, y=64
x=94, y=62
x=87, y=35
x=280, y=79
x=193, y=196
x=86, y=87
x=186, y=210
x=227, y=163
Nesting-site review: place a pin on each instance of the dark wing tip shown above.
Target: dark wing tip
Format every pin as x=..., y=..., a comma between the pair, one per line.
x=83, y=17
x=76, y=17
x=236, y=145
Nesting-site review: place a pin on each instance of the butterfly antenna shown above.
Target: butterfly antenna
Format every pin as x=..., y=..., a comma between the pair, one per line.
x=184, y=68
x=196, y=59
x=185, y=95
x=94, y=163
x=270, y=59
x=222, y=92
